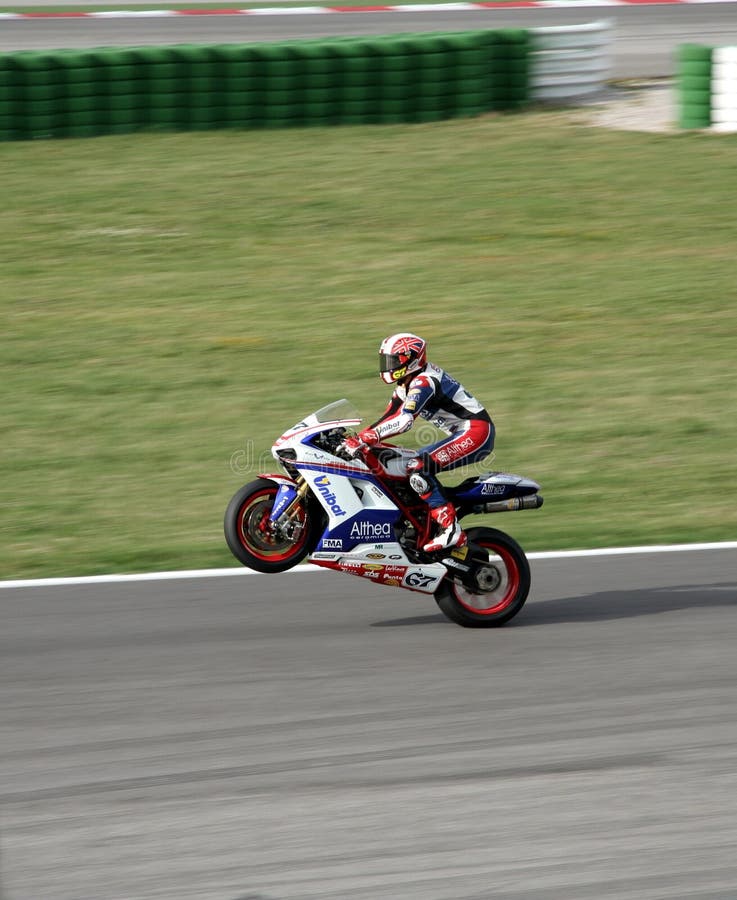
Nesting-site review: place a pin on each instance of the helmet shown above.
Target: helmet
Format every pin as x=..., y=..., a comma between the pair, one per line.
x=400, y=355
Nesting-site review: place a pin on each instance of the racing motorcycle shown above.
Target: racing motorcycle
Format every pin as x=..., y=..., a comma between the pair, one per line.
x=359, y=515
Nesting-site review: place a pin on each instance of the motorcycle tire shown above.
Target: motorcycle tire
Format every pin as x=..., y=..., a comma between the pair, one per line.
x=251, y=542
x=510, y=575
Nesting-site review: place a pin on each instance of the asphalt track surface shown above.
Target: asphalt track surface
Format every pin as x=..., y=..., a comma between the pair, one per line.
x=313, y=736
x=645, y=40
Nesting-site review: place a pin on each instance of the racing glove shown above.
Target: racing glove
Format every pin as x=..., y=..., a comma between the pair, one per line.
x=369, y=436
x=352, y=446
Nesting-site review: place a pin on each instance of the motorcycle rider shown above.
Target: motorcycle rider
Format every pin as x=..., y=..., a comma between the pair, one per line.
x=423, y=389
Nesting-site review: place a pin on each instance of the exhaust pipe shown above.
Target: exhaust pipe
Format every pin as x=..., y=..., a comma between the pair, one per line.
x=532, y=501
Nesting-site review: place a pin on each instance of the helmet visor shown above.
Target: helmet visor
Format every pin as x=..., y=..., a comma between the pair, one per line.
x=388, y=362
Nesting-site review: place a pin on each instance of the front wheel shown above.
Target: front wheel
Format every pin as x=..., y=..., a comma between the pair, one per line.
x=251, y=537
x=506, y=581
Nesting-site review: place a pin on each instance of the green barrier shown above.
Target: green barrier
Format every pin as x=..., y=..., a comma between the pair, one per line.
x=398, y=78
x=694, y=85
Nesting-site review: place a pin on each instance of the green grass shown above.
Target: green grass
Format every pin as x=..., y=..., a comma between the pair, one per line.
x=171, y=303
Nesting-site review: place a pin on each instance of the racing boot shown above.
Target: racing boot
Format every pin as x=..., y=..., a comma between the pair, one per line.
x=442, y=512
x=450, y=534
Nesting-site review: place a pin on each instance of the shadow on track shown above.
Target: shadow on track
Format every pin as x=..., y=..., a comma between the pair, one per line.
x=627, y=604
x=438, y=619
x=600, y=607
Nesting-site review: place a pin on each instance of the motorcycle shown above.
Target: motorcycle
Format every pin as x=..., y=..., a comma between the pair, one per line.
x=359, y=515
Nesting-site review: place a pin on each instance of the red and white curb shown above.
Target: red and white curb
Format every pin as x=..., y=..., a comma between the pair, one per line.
x=193, y=574
x=318, y=10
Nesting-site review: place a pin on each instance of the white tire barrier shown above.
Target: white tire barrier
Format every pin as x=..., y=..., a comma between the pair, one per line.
x=724, y=89
x=569, y=61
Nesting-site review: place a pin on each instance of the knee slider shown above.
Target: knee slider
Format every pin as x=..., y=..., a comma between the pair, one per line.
x=419, y=484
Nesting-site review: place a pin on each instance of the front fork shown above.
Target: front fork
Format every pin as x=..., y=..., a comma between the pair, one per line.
x=284, y=518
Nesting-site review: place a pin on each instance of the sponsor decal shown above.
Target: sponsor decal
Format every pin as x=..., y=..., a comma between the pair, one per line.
x=453, y=450
x=371, y=530
x=332, y=544
x=419, y=579
x=375, y=556
x=323, y=485
x=493, y=488
x=398, y=374
x=310, y=455
x=449, y=561
x=459, y=447
x=284, y=497
x=376, y=571
x=395, y=556
x=377, y=492
x=460, y=552
x=353, y=566
x=410, y=405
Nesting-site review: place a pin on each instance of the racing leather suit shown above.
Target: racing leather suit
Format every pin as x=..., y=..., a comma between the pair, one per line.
x=436, y=396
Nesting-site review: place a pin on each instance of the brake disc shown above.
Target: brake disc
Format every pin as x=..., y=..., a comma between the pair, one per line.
x=488, y=578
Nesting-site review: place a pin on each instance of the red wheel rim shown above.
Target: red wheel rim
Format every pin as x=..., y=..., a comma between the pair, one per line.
x=503, y=595
x=255, y=535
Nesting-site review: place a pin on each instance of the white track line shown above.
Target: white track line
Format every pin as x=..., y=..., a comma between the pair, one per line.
x=227, y=573
x=627, y=551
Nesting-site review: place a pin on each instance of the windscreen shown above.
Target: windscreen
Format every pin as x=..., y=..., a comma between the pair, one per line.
x=339, y=411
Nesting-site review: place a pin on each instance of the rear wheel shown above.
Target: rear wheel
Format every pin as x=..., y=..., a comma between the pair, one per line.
x=251, y=536
x=505, y=583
